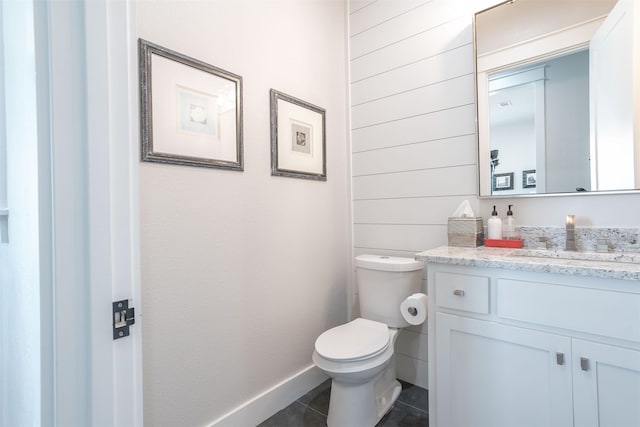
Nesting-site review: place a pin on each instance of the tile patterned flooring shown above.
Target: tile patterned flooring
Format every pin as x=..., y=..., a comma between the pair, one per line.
x=310, y=410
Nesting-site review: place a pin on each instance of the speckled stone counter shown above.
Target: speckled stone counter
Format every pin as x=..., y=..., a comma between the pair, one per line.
x=625, y=266
x=616, y=239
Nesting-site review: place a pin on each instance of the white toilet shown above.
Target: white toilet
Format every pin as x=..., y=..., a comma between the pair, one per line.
x=358, y=356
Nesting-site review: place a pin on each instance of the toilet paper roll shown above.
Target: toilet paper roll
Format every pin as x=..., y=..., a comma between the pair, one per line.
x=414, y=309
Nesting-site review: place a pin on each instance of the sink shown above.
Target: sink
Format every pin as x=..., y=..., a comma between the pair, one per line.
x=624, y=257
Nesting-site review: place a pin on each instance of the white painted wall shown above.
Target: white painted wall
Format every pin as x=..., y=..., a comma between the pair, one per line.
x=241, y=271
x=516, y=142
x=531, y=18
x=414, y=140
x=20, y=384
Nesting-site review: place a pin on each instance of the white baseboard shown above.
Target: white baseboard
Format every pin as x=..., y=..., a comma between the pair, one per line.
x=261, y=407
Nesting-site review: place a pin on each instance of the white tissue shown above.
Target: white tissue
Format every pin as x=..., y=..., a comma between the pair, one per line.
x=463, y=211
x=414, y=309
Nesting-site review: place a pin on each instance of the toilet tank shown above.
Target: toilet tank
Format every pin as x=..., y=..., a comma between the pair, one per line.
x=383, y=282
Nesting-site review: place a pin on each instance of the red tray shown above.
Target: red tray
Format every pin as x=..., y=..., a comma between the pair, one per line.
x=503, y=243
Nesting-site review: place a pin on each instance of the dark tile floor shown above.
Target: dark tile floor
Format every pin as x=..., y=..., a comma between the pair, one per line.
x=410, y=410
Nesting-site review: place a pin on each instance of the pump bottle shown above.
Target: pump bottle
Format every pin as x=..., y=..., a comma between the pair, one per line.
x=509, y=228
x=494, y=225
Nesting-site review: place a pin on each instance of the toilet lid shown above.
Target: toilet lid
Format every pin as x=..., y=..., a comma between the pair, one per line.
x=358, y=339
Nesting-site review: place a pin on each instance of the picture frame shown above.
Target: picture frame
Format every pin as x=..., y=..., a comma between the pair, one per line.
x=298, y=141
x=190, y=111
x=529, y=178
x=503, y=181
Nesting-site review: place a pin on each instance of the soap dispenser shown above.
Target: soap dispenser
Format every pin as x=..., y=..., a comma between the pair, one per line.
x=494, y=225
x=509, y=230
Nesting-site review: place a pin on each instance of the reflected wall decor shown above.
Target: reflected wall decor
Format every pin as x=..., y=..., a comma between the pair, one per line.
x=529, y=178
x=191, y=112
x=298, y=147
x=503, y=181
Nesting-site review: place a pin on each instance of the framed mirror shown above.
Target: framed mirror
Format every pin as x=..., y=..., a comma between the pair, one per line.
x=558, y=96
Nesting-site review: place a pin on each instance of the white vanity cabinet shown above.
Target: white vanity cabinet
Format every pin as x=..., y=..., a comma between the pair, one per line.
x=606, y=385
x=490, y=374
x=516, y=348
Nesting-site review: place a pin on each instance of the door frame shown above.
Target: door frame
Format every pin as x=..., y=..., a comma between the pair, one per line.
x=88, y=112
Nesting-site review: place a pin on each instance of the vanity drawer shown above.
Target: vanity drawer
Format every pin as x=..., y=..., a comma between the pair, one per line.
x=596, y=311
x=462, y=292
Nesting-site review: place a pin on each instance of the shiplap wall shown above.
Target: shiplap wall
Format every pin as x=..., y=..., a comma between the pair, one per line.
x=413, y=121
x=414, y=147
x=414, y=144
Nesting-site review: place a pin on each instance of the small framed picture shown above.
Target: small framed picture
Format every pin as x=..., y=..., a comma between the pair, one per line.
x=298, y=147
x=190, y=111
x=503, y=181
x=529, y=178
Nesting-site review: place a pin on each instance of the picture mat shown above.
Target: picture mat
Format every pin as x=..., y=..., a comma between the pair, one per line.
x=168, y=75
x=289, y=159
x=503, y=181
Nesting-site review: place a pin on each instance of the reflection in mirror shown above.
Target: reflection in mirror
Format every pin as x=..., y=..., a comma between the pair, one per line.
x=555, y=97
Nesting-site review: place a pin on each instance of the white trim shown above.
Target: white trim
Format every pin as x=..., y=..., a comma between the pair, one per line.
x=45, y=207
x=516, y=78
x=546, y=46
x=100, y=209
x=261, y=407
x=540, y=120
x=70, y=261
x=112, y=123
x=87, y=113
x=3, y=130
x=636, y=89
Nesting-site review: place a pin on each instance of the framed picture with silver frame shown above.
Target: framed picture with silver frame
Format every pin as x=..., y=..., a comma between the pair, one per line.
x=503, y=181
x=190, y=111
x=529, y=178
x=298, y=146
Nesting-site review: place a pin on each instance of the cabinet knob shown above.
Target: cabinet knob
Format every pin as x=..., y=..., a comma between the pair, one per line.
x=560, y=358
x=458, y=292
x=584, y=364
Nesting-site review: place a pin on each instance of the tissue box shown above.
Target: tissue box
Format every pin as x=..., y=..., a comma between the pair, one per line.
x=465, y=231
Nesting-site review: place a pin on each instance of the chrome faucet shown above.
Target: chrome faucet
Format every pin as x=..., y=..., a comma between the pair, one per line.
x=571, y=233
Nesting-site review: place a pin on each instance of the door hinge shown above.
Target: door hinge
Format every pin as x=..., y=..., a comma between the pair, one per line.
x=123, y=317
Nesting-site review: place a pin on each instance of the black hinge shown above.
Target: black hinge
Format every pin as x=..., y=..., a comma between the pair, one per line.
x=123, y=317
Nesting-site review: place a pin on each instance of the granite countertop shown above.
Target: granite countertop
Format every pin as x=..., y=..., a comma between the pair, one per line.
x=612, y=265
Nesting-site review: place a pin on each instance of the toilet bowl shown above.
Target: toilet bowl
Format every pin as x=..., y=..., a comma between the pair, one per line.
x=359, y=358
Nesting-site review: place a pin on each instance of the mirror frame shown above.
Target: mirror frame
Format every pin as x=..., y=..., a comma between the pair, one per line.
x=574, y=39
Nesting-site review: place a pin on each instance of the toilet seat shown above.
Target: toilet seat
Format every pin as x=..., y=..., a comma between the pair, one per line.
x=357, y=340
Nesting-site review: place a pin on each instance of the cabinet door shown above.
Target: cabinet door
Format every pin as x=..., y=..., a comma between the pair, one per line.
x=494, y=375
x=606, y=385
